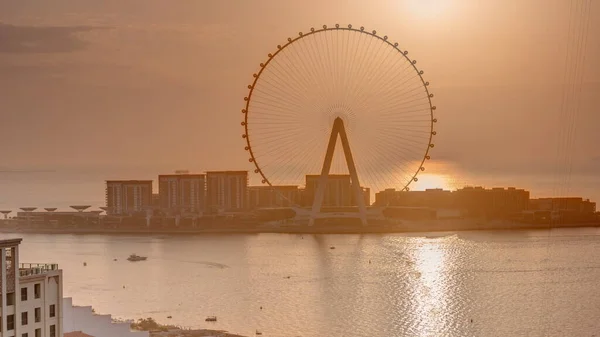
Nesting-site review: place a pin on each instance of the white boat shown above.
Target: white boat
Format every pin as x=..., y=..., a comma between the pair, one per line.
x=135, y=257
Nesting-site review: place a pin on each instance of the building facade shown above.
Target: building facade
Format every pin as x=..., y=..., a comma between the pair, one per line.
x=182, y=193
x=436, y=198
x=31, y=304
x=125, y=197
x=339, y=191
x=273, y=196
x=80, y=321
x=227, y=191
x=574, y=204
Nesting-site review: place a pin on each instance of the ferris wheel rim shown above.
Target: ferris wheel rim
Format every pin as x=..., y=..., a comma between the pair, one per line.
x=313, y=31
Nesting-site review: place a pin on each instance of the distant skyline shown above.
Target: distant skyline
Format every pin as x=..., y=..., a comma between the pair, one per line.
x=158, y=86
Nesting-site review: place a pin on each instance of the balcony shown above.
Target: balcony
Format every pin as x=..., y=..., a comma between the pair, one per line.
x=27, y=269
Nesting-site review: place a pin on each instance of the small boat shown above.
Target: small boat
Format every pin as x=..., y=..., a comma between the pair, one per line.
x=332, y=247
x=211, y=319
x=258, y=333
x=135, y=257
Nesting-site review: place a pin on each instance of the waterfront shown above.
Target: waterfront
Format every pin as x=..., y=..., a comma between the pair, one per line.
x=533, y=283
x=63, y=188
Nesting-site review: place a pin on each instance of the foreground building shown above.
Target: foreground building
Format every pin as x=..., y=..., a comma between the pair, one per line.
x=31, y=295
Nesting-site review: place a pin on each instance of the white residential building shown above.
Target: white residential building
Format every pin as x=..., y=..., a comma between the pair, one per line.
x=85, y=320
x=31, y=304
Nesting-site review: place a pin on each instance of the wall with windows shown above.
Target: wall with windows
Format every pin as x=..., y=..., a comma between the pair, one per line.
x=30, y=295
x=39, y=298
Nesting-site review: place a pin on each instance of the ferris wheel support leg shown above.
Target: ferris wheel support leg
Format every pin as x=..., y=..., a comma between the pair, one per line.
x=338, y=128
x=359, y=194
x=318, y=201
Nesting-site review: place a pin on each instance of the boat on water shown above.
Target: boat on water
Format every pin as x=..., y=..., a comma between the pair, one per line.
x=211, y=319
x=135, y=257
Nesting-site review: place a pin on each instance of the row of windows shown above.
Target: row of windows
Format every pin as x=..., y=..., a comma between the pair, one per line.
x=37, y=292
x=10, y=319
x=38, y=332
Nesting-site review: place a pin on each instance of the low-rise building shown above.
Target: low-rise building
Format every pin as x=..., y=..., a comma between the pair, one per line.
x=31, y=295
x=574, y=204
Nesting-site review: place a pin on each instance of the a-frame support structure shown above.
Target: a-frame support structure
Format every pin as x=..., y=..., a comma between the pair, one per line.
x=338, y=128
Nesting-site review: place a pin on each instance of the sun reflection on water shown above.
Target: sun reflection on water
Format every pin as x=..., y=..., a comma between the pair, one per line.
x=430, y=293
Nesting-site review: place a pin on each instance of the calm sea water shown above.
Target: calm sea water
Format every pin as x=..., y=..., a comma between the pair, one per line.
x=541, y=283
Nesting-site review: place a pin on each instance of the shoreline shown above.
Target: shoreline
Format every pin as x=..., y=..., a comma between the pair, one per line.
x=356, y=229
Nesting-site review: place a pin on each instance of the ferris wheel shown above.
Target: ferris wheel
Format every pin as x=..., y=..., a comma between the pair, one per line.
x=335, y=85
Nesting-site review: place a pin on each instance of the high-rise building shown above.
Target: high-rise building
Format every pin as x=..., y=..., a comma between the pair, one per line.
x=227, y=191
x=273, y=196
x=125, y=197
x=31, y=295
x=182, y=192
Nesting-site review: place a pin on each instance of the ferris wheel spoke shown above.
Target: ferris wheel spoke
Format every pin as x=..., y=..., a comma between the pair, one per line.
x=273, y=138
x=393, y=98
x=395, y=146
x=358, y=98
x=329, y=66
x=354, y=55
x=383, y=154
x=309, y=73
x=407, y=91
x=302, y=92
x=293, y=98
x=320, y=60
x=354, y=85
x=391, y=76
x=284, y=159
x=396, y=135
x=267, y=98
x=421, y=109
x=316, y=68
x=364, y=71
x=408, y=102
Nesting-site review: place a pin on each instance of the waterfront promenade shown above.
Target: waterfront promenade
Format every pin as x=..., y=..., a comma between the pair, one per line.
x=335, y=228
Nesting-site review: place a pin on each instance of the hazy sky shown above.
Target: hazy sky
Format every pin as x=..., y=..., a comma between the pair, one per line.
x=160, y=84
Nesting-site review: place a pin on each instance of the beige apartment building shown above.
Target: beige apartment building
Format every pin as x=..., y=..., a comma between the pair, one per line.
x=31, y=295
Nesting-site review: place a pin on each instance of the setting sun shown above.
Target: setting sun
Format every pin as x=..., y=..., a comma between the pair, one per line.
x=430, y=181
x=427, y=9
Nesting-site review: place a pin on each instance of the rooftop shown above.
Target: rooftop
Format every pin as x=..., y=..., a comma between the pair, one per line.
x=76, y=334
x=10, y=243
x=129, y=181
x=28, y=269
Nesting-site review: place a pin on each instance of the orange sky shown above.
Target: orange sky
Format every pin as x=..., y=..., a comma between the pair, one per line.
x=159, y=84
